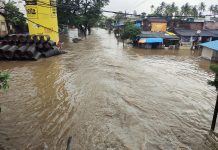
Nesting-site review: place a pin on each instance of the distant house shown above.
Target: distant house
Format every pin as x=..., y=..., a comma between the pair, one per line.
x=148, y=40
x=210, y=50
x=155, y=24
x=187, y=36
x=193, y=24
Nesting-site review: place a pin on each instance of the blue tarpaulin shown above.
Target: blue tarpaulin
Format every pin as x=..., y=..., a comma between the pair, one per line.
x=154, y=40
x=212, y=45
x=151, y=40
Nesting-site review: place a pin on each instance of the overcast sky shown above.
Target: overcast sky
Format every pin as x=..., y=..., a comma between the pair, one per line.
x=144, y=5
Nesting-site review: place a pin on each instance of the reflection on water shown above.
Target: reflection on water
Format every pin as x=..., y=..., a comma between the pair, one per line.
x=108, y=97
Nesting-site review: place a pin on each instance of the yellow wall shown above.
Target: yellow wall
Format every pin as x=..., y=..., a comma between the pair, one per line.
x=159, y=27
x=3, y=26
x=43, y=15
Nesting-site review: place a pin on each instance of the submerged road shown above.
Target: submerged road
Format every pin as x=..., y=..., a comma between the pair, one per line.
x=107, y=97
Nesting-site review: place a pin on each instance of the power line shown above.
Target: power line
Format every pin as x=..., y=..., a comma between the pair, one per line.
x=30, y=20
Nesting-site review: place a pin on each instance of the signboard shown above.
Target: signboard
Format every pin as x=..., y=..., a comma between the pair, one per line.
x=43, y=19
x=32, y=12
x=31, y=2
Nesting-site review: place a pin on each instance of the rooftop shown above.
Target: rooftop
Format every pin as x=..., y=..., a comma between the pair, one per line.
x=187, y=32
x=164, y=35
x=212, y=45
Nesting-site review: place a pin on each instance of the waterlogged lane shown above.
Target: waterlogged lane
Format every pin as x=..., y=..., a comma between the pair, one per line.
x=108, y=97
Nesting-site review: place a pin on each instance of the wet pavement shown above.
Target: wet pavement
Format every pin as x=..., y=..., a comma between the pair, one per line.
x=108, y=98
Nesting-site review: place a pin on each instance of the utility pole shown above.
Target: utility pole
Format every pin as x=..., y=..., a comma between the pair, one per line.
x=214, y=68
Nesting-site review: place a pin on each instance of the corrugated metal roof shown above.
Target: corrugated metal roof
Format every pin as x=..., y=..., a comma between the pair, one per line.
x=164, y=35
x=185, y=32
x=212, y=45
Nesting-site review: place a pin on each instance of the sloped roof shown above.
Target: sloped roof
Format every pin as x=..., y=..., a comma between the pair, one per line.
x=212, y=45
x=162, y=20
x=164, y=35
x=186, y=32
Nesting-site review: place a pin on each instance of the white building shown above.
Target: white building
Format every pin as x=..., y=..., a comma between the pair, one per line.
x=210, y=50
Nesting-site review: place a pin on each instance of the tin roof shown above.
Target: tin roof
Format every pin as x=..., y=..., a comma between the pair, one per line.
x=164, y=35
x=212, y=45
x=187, y=32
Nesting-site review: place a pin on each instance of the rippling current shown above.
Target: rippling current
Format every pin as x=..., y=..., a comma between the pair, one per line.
x=107, y=97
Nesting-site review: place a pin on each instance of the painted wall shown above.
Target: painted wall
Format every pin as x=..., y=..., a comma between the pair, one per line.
x=211, y=25
x=207, y=53
x=45, y=16
x=159, y=27
x=3, y=26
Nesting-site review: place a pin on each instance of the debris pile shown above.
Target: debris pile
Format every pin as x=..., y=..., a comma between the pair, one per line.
x=27, y=47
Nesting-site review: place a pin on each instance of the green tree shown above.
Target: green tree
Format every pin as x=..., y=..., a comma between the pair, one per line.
x=211, y=9
x=119, y=16
x=186, y=10
x=171, y=9
x=83, y=14
x=4, y=78
x=195, y=11
x=109, y=23
x=13, y=15
x=130, y=31
x=152, y=8
x=201, y=8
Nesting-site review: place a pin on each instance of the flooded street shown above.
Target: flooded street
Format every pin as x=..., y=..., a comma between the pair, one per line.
x=108, y=98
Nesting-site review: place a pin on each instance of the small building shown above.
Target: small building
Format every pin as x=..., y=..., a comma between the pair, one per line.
x=187, y=36
x=155, y=24
x=3, y=26
x=158, y=40
x=210, y=50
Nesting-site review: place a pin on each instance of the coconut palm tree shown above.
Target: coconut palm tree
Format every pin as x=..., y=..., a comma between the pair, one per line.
x=211, y=9
x=195, y=11
x=162, y=7
x=152, y=8
x=186, y=10
x=201, y=8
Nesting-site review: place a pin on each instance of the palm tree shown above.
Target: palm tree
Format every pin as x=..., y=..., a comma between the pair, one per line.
x=195, y=11
x=174, y=8
x=186, y=10
x=152, y=8
x=211, y=9
x=162, y=7
x=202, y=7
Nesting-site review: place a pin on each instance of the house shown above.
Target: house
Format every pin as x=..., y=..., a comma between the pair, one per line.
x=211, y=23
x=148, y=40
x=210, y=50
x=187, y=36
x=193, y=24
x=155, y=24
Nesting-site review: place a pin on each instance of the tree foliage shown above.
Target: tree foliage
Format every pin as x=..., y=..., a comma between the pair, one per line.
x=213, y=9
x=13, y=15
x=83, y=14
x=130, y=31
x=4, y=78
x=167, y=9
x=214, y=68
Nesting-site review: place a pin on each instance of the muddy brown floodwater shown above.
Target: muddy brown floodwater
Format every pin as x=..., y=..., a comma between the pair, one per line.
x=108, y=98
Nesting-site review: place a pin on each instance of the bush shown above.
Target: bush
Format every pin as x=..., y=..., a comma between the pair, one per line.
x=130, y=31
x=4, y=78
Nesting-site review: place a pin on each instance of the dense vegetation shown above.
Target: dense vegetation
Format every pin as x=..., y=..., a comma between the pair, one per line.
x=4, y=78
x=14, y=16
x=130, y=31
x=166, y=9
x=83, y=14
